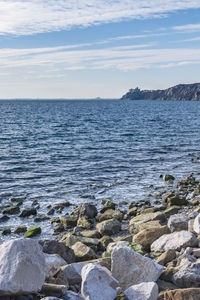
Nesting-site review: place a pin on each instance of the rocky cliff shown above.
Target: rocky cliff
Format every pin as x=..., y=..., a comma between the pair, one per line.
x=178, y=92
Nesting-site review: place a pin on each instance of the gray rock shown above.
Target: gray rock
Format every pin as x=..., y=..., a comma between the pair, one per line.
x=130, y=267
x=98, y=283
x=53, y=263
x=54, y=247
x=142, y=291
x=28, y=212
x=22, y=267
x=88, y=210
x=178, y=222
x=72, y=296
x=175, y=240
x=109, y=227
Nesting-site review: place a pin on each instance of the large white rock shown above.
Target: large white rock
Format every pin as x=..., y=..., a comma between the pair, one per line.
x=196, y=225
x=142, y=291
x=130, y=267
x=22, y=266
x=111, y=246
x=98, y=283
x=175, y=240
x=178, y=222
x=53, y=262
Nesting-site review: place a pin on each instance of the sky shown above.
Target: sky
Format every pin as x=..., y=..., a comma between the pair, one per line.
x=96, y=48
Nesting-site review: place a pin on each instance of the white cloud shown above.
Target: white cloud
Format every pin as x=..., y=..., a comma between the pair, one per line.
x=24, y=17
x=188, y=27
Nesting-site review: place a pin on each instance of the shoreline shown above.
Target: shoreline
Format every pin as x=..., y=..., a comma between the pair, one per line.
x=90, y=235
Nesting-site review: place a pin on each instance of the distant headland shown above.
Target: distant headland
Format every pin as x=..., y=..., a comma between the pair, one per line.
x=178, y=92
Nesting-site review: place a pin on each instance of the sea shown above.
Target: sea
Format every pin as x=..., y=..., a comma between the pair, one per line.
x=93, y=150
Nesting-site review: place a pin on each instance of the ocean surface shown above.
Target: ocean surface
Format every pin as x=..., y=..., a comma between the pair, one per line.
x=88, y=151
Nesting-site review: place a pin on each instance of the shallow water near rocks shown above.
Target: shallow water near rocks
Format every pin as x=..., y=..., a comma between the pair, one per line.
x=88, y=151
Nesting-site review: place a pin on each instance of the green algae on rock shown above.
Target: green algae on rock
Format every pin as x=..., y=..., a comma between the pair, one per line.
x=32, y=232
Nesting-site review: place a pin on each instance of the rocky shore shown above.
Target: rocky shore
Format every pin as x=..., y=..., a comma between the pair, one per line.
x=133, y=251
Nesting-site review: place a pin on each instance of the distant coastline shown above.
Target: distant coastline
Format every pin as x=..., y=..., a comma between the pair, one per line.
x=178, y=92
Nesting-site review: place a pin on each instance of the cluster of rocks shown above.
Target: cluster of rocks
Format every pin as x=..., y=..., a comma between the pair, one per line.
x=145, y=253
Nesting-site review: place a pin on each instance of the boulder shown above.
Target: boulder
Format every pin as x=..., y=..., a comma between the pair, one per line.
x=94, y=234
x=176, y=200
x=98, y=283
x=53, y=263
x=83, y=252
x=109, y=227
x=196, y=225
x=144, y=218
x=178, y=222
x=171, y=211
x=22, y=267
x=138, y=226
x=84, y=223
x=175, y=240
x=112, y=246
x=70, y=240
x=31, y=232
x=147, y=236
x=54, y=247
x=182, y=294
x=12, y=210
x=142, y=291
x=88, y=210
x=130, y=267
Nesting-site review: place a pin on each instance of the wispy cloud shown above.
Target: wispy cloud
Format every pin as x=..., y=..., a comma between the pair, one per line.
x=188, y=27
x=57, y=60
x=21, y=17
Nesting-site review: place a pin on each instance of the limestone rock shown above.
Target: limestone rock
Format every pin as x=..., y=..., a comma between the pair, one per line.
x=166, y=257
x=22, y=267
x=54, y=247
x=88, y=210
x=83, y=252
x=112, y=246
x=130, y=267
x=147, y=236
x=175, y=240
x=138, y=226
x=178, y=222
x=144, y=218
x=142, y=291
x=98, y=283
x=196, y=225
x=109, y=227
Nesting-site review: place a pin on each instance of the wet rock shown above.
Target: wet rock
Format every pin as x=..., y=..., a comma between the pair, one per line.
x=68, y=221
x=83, y=252
x=41, y=218
x=31, y=232
x=58, y=229
x=55, y=220
x=22, y=266
x=171, y=211
x=132, y=211
x=4, y=219
x=196, y=226
x=20, y=229
x=142, y=291
x=28, y=212
x=98, y=283
x=168, y=177
x=109, y=227
x=138, y=226
x=17, y=199
x=54, y=247
x=147, y=236
x=11, y=210
x=110, y=204
x=6, y=231
x=130, y=267
x=178, y=222
x=91, y=234
x=88, y=210
x=51, y=211
x=175, y=240
x=166, y=257
x=61, y=205
x=70, y=240
x=176, y=200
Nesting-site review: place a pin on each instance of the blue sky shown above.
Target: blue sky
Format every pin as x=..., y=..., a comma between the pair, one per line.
x=90, y=48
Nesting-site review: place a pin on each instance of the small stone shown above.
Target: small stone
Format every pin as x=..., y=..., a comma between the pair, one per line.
x=6, y=231
x=31, y=232
x=11, y=210
x=28, y=212
x=168, y=177
x=142, y=291
x=20, y=229
x=41, y=218
x=98, y=283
